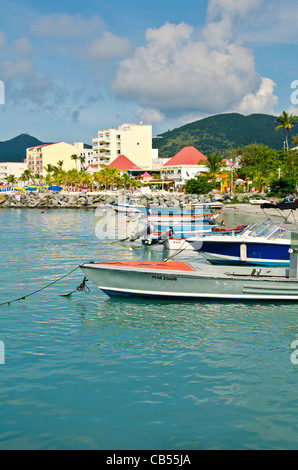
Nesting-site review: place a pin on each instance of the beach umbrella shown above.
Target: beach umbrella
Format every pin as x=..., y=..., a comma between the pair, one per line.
x=30, y=189
x=55, y=188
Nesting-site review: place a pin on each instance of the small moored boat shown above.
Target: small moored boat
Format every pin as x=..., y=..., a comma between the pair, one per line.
x=180, y=280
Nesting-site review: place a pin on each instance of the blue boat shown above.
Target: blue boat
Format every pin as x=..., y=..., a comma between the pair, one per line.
x=266, y=244
x=133, y=207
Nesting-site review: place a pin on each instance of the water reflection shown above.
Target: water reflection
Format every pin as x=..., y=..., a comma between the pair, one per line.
x=179, y=375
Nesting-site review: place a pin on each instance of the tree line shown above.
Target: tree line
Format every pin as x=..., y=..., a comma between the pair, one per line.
x=259, y=166
x=106, y=178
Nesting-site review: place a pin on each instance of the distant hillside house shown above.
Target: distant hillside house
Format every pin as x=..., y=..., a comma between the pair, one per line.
x=184, y=166
x=38, y=158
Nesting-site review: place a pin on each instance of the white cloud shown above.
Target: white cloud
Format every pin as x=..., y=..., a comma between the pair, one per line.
x=291, y=110
x=64, y=25
x=232, y=7
x=149, y=115
x=23, y=46
x=263, y=101
x=177, y=74
x=282, y=27
x=16, y=69
x=108, y=46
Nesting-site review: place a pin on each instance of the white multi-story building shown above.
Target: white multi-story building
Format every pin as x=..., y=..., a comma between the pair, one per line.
x=11, y=168
x=87, y=156
x=132, y=140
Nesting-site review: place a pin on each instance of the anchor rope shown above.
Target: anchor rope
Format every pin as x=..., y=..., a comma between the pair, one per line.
x=177, y=252
x=42, y=288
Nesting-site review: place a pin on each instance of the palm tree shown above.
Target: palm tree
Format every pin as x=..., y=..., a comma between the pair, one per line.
x=214, y=165
x=75, y=158
x=82, y=160
x=49, y=168
x=10, y=179
x=86, y=179
x=286, y=121
x=72, y=178
x=37, y=178
x=259, y=179
x=59, y=177
x=27, y=174
x=99, y=178
x=126, y=180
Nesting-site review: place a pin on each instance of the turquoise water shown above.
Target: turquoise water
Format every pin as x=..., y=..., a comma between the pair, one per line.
x=94, y=373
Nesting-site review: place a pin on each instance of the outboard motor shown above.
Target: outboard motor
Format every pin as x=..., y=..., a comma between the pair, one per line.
x=148, y=230
x=166, y=234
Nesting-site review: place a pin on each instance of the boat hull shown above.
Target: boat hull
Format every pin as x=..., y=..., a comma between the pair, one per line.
x=254, y=252
x=180, y=281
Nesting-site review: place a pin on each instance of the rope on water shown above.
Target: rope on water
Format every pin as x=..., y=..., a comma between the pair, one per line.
x=177, y=252
x=42, y=288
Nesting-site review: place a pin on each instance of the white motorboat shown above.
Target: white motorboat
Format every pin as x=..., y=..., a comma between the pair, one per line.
x=264, y=244
x=133, y=206
x=180, y=280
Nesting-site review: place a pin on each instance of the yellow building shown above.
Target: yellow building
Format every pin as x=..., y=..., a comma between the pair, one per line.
x=38, y=158
x=132, y=140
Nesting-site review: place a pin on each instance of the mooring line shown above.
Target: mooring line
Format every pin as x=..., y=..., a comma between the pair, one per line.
x=39, y=290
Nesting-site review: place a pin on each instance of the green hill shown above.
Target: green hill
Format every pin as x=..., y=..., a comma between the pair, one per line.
x=222, y=132
x=14, y=150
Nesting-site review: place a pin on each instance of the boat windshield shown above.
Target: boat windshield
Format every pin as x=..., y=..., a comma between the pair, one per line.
x=269, y=230
x=134, y=201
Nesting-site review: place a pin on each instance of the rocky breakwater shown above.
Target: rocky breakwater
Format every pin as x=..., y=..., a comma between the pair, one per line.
x=81, y=200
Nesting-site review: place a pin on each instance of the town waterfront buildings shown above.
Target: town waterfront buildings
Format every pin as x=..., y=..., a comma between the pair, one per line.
x=38, y=158
x=132, y=140
x=184, y=165
x=87, y=156
x=15, y=169
x=128, y=148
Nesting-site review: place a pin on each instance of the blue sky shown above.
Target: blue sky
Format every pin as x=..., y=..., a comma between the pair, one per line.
x=71, y=68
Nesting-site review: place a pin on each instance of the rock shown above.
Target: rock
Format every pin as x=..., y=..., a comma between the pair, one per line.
x=174, y=201
x=82, y=201
x=90, y=201
x=2, y=198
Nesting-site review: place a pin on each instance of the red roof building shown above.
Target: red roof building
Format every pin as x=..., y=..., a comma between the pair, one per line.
x=184, y=165
x=122, y=163
x=186, y=156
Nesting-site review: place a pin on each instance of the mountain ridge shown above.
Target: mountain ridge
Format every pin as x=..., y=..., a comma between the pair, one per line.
x=14, y=150
x=220, y=133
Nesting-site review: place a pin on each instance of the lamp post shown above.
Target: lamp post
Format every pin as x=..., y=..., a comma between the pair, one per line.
x=231, y=168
